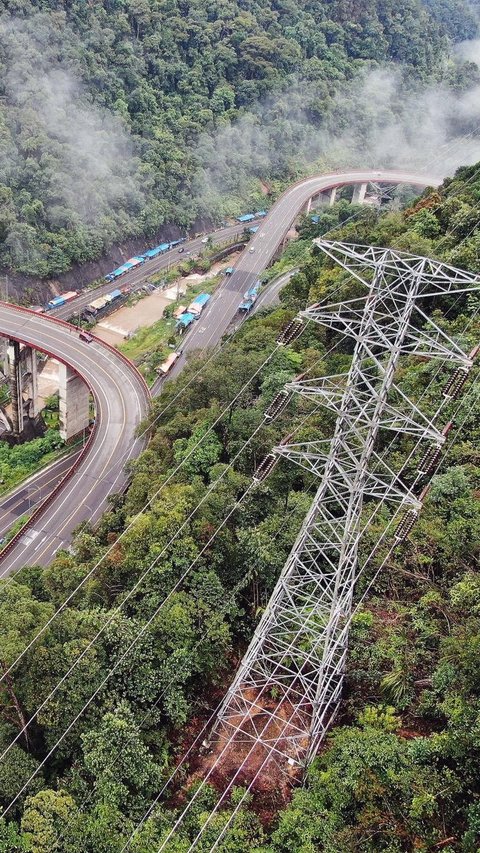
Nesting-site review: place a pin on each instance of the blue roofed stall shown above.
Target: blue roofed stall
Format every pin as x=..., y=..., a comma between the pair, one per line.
x=157, y=250
x=185, y=320
x=202, y=299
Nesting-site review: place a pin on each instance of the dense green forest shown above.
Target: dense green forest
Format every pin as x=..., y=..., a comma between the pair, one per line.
x=120, y=116
x=400, y=768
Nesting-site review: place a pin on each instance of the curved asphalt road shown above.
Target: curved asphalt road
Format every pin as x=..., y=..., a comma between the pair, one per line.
x=24, y=498
x=215, y=319
x=121, y=402
x=121, y=398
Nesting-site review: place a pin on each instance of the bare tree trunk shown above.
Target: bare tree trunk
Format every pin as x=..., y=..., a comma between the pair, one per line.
x=8, y=682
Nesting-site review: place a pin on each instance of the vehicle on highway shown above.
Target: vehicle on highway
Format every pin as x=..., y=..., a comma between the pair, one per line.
x=251, y=249
x=228, y=270
x=252, y=292
x=196, y=307
x=247, y=305
x=168, y=363
x=249, y=298
x=205, y=239
x=181, y=249
x=57, y=301
x=86, y=336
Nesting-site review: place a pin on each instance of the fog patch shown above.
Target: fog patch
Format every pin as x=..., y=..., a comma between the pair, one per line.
x=379, y=119
x=85, y=153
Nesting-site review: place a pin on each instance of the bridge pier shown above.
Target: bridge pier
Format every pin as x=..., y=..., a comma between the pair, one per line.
x=28, y=360
x=74, y=403
x=359, y=193
x=333, y=196
x=15, y=382
x=4, y=357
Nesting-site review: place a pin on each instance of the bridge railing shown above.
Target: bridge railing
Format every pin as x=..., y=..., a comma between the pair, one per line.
x=79, y=461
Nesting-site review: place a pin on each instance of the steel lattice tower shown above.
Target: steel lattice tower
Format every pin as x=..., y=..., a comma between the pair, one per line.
x=288, y=687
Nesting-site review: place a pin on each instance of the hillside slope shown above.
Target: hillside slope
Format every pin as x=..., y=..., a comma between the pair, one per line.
x=110, y=111
x=399, y=772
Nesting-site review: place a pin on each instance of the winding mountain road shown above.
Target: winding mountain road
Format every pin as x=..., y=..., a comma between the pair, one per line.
x=121, y=397
x=262, y=247
x=121, y=402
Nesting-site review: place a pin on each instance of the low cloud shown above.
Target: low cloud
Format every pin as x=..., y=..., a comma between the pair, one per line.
x=86, y=155
x=377, y=120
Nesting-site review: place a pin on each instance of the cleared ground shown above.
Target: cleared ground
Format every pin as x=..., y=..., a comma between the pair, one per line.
x=123, y=323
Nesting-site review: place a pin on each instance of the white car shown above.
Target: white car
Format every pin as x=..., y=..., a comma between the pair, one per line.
x=251, y=250
x=205, y=240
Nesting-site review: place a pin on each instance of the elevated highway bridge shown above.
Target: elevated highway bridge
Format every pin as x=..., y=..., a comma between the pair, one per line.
x=121, y=397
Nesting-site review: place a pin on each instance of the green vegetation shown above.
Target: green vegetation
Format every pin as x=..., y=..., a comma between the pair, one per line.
x=118, y=116
x=400, y=769
x=16, y=526
x=149, y=346
x=21, y=460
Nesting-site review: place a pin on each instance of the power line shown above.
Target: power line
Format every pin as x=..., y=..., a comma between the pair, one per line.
x=138, y=635
x=229, y=406
x=366, y=524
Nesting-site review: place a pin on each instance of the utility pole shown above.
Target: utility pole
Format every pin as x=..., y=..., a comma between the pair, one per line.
x=289, y=685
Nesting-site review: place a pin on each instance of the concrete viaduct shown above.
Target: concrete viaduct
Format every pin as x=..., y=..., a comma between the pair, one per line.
x=120, y=395
x=121, y=401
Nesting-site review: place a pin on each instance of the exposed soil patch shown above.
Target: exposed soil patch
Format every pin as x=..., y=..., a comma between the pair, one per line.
x=245, y=758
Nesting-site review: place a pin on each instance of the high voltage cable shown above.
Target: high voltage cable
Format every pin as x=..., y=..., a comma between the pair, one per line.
x=257, y=742
x=137, y=582
x=223, y=610
x=396, y=477
x=258, y=737
x=136, y=517
x=194, y=448
x=440, y=408
x=134, y=641
x=152, y=498
x=80, y=585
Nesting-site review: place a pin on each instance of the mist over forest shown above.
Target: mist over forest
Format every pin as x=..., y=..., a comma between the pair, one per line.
x=119, y=118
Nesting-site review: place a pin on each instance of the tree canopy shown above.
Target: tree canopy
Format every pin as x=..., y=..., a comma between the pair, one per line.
x=399, y=771
x=120, y=117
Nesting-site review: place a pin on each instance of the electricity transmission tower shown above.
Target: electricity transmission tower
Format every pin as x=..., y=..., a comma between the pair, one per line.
x=288, y=687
